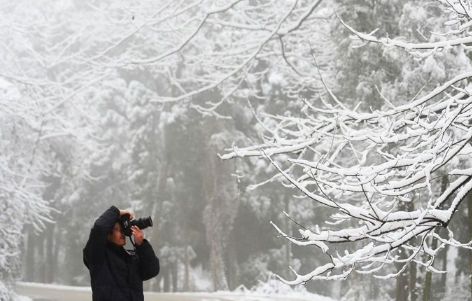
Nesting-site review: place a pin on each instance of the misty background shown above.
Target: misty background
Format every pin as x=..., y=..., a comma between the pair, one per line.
x=131, y=103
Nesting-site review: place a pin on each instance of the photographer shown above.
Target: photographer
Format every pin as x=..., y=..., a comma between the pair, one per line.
x=117, y=274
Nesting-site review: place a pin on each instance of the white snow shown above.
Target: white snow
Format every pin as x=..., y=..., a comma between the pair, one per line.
x=272, y=290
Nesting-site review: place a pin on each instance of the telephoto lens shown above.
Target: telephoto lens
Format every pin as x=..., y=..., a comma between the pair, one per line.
x=142, y=222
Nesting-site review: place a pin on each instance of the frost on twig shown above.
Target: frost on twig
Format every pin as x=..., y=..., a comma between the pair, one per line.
x=363, y=165
x=460, y=22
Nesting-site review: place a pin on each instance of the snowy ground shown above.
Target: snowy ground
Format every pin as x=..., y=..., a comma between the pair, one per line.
x=48, y=292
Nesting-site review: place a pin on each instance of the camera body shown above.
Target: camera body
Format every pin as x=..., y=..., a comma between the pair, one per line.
x=141, y=223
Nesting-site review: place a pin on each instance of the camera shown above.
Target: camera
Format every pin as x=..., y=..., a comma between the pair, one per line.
x=141, y=223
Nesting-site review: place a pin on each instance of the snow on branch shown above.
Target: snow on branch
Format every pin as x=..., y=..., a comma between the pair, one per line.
x=410, y=46
x=198, y=47
x=461, y=18
x=367, y=167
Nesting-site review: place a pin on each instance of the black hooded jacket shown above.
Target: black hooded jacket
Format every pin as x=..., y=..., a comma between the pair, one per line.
x=117, y=274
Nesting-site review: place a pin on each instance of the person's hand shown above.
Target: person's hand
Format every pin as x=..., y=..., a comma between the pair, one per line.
x=137, y=234
x=123, y=212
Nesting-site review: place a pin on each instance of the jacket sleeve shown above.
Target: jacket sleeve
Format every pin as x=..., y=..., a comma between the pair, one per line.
x=148, y=261
x=94, y=251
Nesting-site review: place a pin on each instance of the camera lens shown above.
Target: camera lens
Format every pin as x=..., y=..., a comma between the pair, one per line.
x=142, y=223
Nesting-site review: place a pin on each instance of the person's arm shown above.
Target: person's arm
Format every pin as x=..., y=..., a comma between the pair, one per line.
x=148, y=261
x=94, y=251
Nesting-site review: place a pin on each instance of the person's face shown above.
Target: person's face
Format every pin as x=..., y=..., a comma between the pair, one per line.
x=117, y=236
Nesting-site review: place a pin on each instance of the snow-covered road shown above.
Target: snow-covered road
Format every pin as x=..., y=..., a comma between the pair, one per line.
x=47, y=292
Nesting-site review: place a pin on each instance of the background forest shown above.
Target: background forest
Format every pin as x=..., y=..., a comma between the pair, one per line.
x=130, y=103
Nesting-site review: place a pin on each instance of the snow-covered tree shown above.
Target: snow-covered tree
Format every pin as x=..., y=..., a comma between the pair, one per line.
x=22, y=165
x=364, y=165
x=47, y=129
x=366, y=74
x=220, y=43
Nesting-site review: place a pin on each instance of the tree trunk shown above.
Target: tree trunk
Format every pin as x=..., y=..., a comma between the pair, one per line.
x=42, y=263
x=56, y=261
x=429, y=275
x=429, y=278
x=166, y=276
x=186, y=245
x=175, y=276
x=218, y=266
x=288, y=244
x=157, y=210
x=427, y=286
x=402, y=285
x=50, y=260
x=412, y=268
x=186, y=268
x=30, y=259
x=232, y=265
x=221, y=209
x=413, y=289
x=442, y=284
x=402, y=290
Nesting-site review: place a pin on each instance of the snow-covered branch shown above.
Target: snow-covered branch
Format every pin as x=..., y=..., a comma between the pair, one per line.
x=225, y=44
x=366, y=166
x=460, y=20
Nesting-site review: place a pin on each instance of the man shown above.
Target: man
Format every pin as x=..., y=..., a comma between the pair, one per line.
x=117, y=274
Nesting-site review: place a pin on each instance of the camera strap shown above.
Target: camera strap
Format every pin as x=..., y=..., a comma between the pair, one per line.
x=132, y=242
